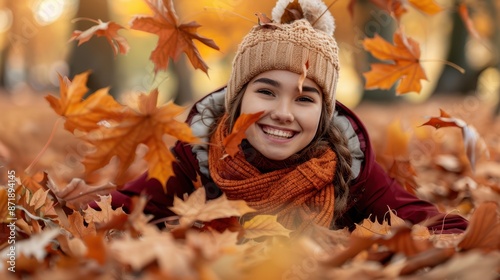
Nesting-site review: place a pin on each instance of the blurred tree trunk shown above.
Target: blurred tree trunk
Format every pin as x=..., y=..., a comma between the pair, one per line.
x=452, y=81
x=371, y=20
x=184, y=91
x=96, y=54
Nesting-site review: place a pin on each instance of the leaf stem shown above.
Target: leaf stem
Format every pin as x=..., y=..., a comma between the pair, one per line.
x=86, y=18
x=327, y=8
x=42, y=151
x=455, y=66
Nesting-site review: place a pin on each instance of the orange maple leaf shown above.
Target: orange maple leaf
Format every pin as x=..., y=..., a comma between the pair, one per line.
x=174, y=38
x=406, y=56
x=234, y=139
x=107, y=29
x=80, y=114
x=148, y=126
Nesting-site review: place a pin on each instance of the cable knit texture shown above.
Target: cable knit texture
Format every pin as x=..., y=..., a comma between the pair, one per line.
x=299, y=195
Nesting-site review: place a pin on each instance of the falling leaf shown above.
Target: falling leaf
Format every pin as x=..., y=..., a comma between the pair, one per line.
x=406, y=56
x=148, y=126
x=174, y=38
x=233, y=140
x=107, y=29
x=264, y=225
x=196, y=208
x=427, y=6
x=84, y=115
x=473, y=143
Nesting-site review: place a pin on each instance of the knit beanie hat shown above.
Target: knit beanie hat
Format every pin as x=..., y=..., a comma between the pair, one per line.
x=290, y=43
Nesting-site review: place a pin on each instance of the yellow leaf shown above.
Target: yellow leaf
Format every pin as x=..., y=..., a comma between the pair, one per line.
x=264, y=225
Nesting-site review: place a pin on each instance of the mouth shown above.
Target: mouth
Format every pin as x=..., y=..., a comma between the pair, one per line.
x=277, y=133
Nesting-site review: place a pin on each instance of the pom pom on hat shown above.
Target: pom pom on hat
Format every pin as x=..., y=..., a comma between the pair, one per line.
x=312, y=10
x=289, y=45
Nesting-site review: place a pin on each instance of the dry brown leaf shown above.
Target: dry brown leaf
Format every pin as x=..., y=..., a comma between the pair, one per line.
x=474, y=144
x=77, y=194
x=105, y=214
x=483, y=231
x=194, y=208
x=174, y=38
x=35, y=245
x=107, y=29
x=177, y=263
x=264, y=225
x=77, y=226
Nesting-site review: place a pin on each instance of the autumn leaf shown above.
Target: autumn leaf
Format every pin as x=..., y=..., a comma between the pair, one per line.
x=293, y=11
x=77, y=194
x=174, y=38
x=233, y=140
x=483, y=231
x=405, y=174
x=406, y=67
x=148, y=126
x=77, y=226
x=263, y=20
x=84, y=115
x=35, y=245
x=196, y=208
x=177, y=262
x=107, y=29
x=427, y=6
x=105, y=214
x=473, y=142
x=4, y=205
x=469, y=24
x=397, y=140
x=264, y=225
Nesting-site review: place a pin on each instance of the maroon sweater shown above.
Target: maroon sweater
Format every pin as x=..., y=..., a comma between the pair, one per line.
x=371, y=194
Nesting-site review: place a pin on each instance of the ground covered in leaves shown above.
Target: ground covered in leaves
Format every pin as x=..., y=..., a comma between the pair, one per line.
x=56, y=237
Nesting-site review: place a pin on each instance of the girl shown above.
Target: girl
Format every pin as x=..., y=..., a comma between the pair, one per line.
x=308, y=159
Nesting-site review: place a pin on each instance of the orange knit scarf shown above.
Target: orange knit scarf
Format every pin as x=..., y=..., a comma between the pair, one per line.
x=299, y=195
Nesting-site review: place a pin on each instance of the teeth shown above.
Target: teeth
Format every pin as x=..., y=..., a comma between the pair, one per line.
x=278, y=132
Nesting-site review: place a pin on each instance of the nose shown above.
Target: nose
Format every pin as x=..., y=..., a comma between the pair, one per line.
x=282, y=113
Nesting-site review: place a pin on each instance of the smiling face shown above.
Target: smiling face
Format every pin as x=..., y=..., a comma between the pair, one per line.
x=291, y=118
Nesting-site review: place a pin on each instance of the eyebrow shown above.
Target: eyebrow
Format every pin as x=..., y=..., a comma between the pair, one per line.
x=275, y=83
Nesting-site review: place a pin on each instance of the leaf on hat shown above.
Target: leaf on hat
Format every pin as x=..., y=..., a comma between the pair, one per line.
x=293, y=11
x=264, y=20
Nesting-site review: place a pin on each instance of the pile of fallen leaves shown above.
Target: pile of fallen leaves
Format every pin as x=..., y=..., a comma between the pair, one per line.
x=48, y=231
